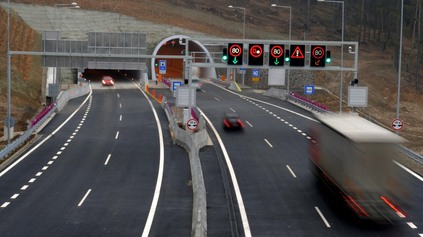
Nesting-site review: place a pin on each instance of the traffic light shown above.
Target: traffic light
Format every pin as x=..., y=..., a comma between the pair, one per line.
x=156, y=63
x=328, y=58
x=255, y=56
x=317, y=56
x=287, y=55
x=224, y=55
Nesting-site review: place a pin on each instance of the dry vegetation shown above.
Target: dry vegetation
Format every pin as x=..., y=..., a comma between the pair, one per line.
x=376, y=67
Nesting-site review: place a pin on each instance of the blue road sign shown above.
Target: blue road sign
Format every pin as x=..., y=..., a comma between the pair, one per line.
x=309, y=89
x=176, y=84
x=256, y=72
x=162, y=66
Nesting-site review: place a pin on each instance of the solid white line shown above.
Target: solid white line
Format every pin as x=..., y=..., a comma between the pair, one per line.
x=241, y=206
x=5, y=204
x=156, y=196
x=290, y=170
x=107, y=160
x=323, y=217
x=16, y=195
x=268, y=143
x=117, y=135
x=85, y=196
x=412, y=225
x=408, y=170
x=24, y=187
x=249, y=123
x=232, y=110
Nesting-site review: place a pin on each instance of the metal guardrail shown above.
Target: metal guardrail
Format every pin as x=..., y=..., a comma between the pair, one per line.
x=60, y=103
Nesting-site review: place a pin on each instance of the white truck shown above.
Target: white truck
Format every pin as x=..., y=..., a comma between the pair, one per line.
x=354, y=158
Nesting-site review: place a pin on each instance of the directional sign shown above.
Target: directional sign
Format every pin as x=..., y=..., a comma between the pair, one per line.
x=176, y=85
x=317, y=56
x=235, y=54
x=297, y=55
x=397, y=124
x=162, y=66
x=276, y=55
x=255, y=72
x=309, y=89
x=255, y=56
x=192, y=124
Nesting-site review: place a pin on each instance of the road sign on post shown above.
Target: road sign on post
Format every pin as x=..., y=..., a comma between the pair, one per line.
x=255, y=56
x=235, y=54
x=397, y=124
x=297, y=55
x=317, y=56
x=162, y=66
x=276, y=55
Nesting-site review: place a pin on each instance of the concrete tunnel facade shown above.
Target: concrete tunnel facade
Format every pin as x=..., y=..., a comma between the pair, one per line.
x=173, y=45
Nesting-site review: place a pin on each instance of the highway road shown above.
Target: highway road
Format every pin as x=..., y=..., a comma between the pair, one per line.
x=103, y=163
x=270, y=160
x=97, y=170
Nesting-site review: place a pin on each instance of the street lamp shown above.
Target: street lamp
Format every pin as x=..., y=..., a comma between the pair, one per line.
x=242, y=8
x=399, y=61
x=9, y=120
x=288, y=7
x=342, y=51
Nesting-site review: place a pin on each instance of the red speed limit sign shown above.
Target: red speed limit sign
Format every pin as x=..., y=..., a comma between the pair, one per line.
x=235, y=50
x=318, y=52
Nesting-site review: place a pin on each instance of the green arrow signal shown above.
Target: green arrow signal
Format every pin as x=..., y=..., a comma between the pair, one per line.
x=276, y=61
x=235, y=61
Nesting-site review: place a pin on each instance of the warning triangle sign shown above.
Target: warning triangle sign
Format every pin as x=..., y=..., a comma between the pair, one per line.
x=297, y=53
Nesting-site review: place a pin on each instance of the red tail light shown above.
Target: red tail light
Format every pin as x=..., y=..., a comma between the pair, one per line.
x=240, y=123
x=354, y=205
x=226, y=123
x=394, y=207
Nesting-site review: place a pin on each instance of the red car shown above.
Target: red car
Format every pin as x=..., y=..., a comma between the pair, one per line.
x=107, y=81
x=232, y=121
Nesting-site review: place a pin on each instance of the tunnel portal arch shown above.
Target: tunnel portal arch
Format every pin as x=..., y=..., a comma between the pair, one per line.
x=174, y=41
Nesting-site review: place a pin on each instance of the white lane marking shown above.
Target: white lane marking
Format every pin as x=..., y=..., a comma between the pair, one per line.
x=32, y=180
x=66, y=144
x=232, y=110
x=120, y=105
x=39, y=174
x=50, y=162
x=16, y=195
x=54, y=157
x=107, y=160
x=117, y=135
x=24, y=187
x=69, y=140
x=216, y=98
x=120, y=118
x=290, y=170
x=421, y=235
x=5, y=204
x=412, y=225
x=45, y=167
x=74, y=134
x=85, y=196
x=408, y=170
x=268, y=143
x=118, y=95
x=62, y=148
x=160, y=172
x=58, y=153
x=323, y=217
x=241, y=206
x=249, y=123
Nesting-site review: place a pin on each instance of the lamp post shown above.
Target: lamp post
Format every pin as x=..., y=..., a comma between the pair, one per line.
x=9, y=120
x=242, y=8
x=287, y=7
x=399, y=61
x=243, y=34
x=342, y=51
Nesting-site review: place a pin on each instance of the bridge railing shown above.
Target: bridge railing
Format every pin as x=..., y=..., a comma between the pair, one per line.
x=39, y=120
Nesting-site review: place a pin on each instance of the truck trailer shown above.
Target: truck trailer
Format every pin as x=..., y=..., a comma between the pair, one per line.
x=355, y=159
